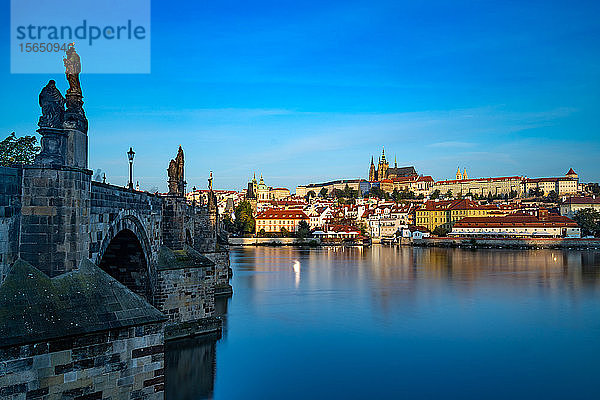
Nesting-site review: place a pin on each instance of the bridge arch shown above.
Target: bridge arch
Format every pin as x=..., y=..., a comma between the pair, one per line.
x=125, y=255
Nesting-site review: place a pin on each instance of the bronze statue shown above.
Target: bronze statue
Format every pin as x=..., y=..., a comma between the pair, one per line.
x=52, y=103
x=175, y=172
x=210, y=180
x=72, y=70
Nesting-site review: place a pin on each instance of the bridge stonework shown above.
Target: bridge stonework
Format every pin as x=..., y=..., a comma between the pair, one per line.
x=162, y=253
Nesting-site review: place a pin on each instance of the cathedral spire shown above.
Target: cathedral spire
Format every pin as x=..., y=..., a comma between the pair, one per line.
x=372, y=160
x=395, y=163
x=458, y=174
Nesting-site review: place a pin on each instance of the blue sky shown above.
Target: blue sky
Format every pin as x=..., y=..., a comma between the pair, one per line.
x=308, y=91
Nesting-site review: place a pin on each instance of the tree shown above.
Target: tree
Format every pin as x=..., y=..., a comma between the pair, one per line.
x=323, y=192
x=435, y=195
x=349, y=193
x=440, y=231
x=537, y=192
x=228, y=224
x=588, y=220
x=449, y=194
x=310, y=195
x=18, y=150
x=244, y=221
x=377, y=192
x=303, y=230
x=552, y=197
x=284, y=232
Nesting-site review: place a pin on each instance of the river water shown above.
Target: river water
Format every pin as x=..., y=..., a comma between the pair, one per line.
x=389, y=322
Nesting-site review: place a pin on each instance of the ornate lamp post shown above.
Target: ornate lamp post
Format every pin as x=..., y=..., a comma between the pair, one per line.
x=130, y=155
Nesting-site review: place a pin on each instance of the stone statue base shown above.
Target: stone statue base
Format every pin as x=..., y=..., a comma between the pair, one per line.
x=54, y=146
x=75, y=116
x=62, y=147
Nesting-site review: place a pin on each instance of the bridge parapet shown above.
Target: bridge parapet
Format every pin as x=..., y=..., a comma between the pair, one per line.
x=10, y=217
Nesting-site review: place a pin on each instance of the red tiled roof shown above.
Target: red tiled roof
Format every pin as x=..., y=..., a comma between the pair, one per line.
x=281, y=214
x=404, y=178
x=582, y=200
x=414, y=228
x=515, y=220
x=535, y=180
x=571, y=172
x=459, y=204
x=500, y=178
x=344, y=228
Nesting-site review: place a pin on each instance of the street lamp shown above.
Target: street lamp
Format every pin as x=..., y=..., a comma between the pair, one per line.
x=130, y=155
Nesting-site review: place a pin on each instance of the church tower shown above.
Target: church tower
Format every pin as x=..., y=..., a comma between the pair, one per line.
x=372, y=171
x=465, y=176
x=458, y=174
x=383, y=167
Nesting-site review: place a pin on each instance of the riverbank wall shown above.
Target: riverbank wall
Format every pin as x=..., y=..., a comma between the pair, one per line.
x=250, y=241
x=541, y=243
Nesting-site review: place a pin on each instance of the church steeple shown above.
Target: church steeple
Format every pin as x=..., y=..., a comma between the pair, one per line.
x=372, y=171
x=395, y=163
x=458, y=174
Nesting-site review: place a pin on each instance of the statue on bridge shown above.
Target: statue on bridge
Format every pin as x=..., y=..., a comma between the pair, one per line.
x=175, y=173
x=75, y=116
x=52, y=103
x=72, y=70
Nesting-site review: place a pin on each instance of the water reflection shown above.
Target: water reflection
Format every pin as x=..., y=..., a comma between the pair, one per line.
x=190, y=363
x=346, y=317
x=296, y=269
x=190, y=366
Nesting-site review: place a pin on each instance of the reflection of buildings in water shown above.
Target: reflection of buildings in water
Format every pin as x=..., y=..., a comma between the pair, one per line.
x=398, y=276
x=590, y=265
x=392, y=272
x=401, y=274
x=528, y=267
x=269, y=262
x=190, y=366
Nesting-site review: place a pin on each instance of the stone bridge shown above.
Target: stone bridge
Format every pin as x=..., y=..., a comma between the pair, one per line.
x=85, y=264
x=55, y=216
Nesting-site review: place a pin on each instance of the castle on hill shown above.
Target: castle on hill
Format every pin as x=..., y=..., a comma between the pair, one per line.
x=383, y=170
